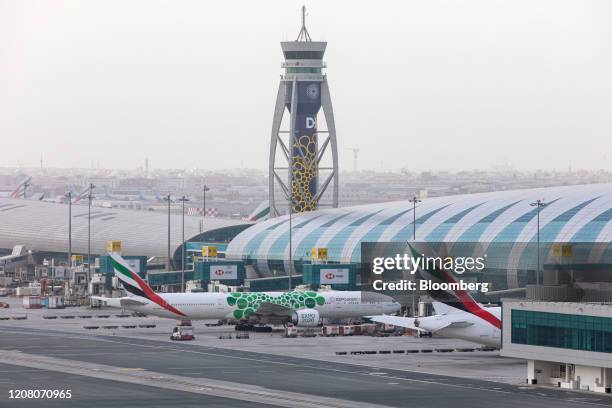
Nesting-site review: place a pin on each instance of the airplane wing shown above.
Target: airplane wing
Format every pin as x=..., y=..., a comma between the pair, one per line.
x=271, y=311
x=119, y=302
x=456, y=324
x=407, y=322
x=433, y=324
x=430, y=323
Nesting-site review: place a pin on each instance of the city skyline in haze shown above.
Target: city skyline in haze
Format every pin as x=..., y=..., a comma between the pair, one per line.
x=424, y=86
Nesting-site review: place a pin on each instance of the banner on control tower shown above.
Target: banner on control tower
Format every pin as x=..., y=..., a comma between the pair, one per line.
x=303, y=174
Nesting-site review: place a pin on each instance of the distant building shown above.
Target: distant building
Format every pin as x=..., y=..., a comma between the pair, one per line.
x=43, y=228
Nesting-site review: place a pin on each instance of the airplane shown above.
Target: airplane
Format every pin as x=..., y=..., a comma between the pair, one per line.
x=19, y=190
x=81, y=195
x=260, y=213
x=458, y=315
x=479, y=325
x=301, y=308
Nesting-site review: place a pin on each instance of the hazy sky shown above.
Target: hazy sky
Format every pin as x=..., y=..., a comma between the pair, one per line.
x=441, y=85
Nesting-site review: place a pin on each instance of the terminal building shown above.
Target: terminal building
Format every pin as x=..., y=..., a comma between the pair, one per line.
x=34, y=232
x=506, y=221
x=555, y=260
x=566, y=344
x=43, y=228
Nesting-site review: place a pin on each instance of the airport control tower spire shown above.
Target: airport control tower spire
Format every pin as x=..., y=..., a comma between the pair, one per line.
x=307, y=158
x=303, y=35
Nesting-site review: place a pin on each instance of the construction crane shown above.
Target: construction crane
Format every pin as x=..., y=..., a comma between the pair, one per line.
x=355, y=151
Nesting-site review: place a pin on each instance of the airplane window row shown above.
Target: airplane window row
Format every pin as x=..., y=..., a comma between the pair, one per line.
x=193, y=304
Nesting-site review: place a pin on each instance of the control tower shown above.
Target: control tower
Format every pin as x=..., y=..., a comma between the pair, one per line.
x=304, y=147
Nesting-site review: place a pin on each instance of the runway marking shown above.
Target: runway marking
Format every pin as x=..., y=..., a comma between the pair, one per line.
x=17, y=371
x=68, y=354
x=210, y=367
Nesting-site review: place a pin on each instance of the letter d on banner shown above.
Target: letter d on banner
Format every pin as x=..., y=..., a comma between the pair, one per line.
x=310, y=122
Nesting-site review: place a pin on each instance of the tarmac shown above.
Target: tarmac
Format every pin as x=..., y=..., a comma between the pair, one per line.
x=140, y=366
x=90, y=392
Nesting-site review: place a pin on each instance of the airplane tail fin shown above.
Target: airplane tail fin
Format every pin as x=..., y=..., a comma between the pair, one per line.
x=135, y=285
x=83, y=194
x=132, y=283
x=261, y=212
x=20, y=189
x=451, y=299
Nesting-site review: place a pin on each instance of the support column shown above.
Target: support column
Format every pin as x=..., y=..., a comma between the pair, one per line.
x=279, y=110
x=328, y=111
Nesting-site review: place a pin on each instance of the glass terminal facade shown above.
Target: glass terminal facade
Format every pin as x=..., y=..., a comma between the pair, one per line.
x=576, y=332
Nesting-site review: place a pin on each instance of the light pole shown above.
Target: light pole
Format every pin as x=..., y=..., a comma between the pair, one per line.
x=89, y=197
x=538, y=204
x=68, y=195
x=25, y=189
x=169, y=263
x=204, y=190
x=183, y=199
x=290, y=243
x=414, y=200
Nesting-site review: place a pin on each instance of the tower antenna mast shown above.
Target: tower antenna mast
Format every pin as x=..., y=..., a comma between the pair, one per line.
x=303, y=35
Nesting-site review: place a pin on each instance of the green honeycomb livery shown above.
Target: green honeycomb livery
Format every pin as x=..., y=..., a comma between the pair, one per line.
x=247, y=303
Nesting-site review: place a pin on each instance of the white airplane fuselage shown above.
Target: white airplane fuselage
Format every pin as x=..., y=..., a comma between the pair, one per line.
x=455, y=323
x=466, y=327
x=205, y=306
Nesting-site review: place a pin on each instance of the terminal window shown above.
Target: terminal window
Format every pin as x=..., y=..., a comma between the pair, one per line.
x=576, y=332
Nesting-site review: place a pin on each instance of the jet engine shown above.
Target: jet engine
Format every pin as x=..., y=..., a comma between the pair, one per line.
x=305, y=318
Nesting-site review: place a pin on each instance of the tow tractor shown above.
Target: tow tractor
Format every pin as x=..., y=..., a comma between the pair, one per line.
x=182, y=331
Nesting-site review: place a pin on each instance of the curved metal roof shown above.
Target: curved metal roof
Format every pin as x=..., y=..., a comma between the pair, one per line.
x=580, y=213
x=43, y=226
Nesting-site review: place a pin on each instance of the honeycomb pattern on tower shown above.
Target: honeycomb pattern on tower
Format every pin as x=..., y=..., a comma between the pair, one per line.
x=304, y=174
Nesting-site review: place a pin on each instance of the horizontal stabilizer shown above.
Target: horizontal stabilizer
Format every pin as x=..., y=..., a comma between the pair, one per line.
x=407, y=322
x=430, y=323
